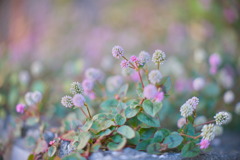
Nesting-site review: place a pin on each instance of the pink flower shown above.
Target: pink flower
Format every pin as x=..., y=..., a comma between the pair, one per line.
x=150, y=91
x=88, y=85
x=20, y=108
x=52, y=142
x=78, y=100
x=159, y=97
x=214, y=60
x=133, y=58
x=124, y=64
x=204, y=144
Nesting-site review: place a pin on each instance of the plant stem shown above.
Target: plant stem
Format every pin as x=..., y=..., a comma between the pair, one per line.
x=139, y=74
x=212, y=121
x=88, y=110
x=84, y=112
x=158, y=66
x=190, y=136
x=141, y=102
x=129, y=61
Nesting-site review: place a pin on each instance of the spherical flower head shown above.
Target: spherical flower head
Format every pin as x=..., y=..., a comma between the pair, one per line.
x=218, y=130
x=215, y=60
x=208, y=132
x=228, y=97
x=159, y=97
x=78, y=100
x=36, y=96
x=136, y=60
x=150, y=91
x=28, y=99
x=67, y=101
x=155, y=76
x=113, y=83
x=204, y=144
x=94, y=74
x=158, y=57
x=76, y=88
x=87, y=85
x=144, y=57
x=186, y=110
x=124, y=64
x=237, y=108
x=20, y=108
x=193, y=102
x=117, y=51
x=198, y=84
x=222, y=118
x=181, y=122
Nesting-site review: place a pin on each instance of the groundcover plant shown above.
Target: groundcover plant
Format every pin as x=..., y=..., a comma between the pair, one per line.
x=126, y=121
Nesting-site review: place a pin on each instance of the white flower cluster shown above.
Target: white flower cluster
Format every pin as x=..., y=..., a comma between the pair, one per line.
x=218, y=130
x=67, y=101
x=222, y=118
x=189, y=107
x=186, y=110
x=208, y=132
x=158, y=57
x=32, y=98
x=155, y=76
x=144, y=57
x=117, y=51
x=193, y=102
x=76, y=88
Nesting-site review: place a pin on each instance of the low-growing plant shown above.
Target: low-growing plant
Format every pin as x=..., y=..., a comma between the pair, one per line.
x=130, y=121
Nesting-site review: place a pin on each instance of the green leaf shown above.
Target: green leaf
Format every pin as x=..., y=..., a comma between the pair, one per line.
x=119, y=119
x=150, y=121
x=74, y=156
x=95, y=147
x=146, y=133
x=161, y=134
x=151, y=108
x=190, y=150
x=83, y=137
x=141, y=146
x=173, y=140
x=100, y=125
x=51, y=151
x=126, y=131
x=134, y=104
x=117, y=144
x=154, y=148
x=105, y=133
x=189, y=129
x=166, y=82
x=108, y=104
x=69, y=136
x=31, y=157
x=103, y=116
x=87, y=125
x=135, y=140
x=131, y=112
x=139, y=90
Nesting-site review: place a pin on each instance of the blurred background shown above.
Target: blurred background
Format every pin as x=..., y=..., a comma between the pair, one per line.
x=47, y=44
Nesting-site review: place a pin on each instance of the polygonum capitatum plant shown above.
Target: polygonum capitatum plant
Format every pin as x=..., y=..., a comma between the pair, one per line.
x=133, y=121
